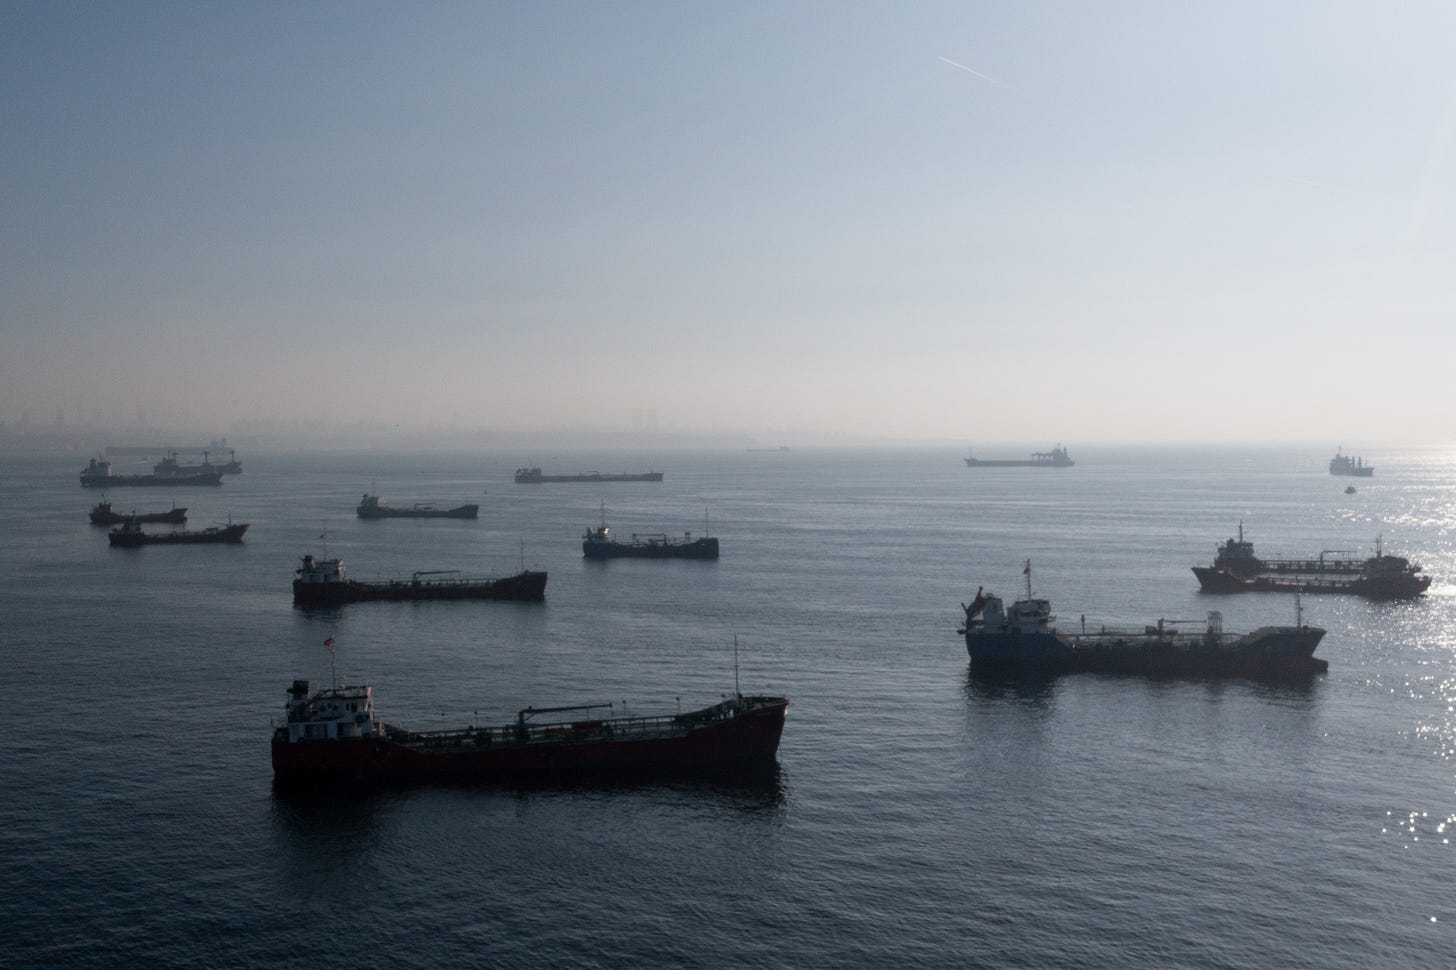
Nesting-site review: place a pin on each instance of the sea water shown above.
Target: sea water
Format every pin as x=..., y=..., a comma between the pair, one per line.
x=920, y=814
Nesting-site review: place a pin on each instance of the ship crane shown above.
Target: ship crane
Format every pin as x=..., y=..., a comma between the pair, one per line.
x=522, y=734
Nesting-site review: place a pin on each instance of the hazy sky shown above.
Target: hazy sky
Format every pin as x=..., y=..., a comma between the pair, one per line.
x=981, y=221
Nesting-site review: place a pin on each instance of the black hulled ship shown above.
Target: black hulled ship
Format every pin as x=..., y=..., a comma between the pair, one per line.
x=324, y=582
x=1056, y=458
x=1236, y=569
x=333, y=735
x=534, y=476
x=98, y=474
x=104, y=514
x=1022, y=638
x=371, y=507
x=600, y=542
x=131, y=535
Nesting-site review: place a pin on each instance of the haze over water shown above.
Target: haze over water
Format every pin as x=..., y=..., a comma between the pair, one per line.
x=1202, y=221
x=921, y=814
x=407, y=249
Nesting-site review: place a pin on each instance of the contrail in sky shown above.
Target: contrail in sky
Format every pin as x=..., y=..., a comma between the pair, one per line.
x=988, y=80
x=1326, y=186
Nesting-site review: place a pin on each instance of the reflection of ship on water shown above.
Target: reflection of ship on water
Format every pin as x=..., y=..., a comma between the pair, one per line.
x=1236, y=569
x=1056, y=458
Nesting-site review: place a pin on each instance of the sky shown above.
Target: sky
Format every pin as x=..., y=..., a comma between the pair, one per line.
x=970, y=221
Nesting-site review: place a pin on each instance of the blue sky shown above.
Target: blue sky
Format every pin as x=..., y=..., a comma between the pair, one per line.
x=977, y=221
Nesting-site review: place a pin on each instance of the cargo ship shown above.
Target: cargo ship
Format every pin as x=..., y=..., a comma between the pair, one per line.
x=600, y=543
x=98, y=474
x=131, y=535
x=171, y=466
x=334, y=735
x=1237, y=555
x=103, y=514
x=1236, y=569
x=1022, y=638
x=1343, y=464
x=1056, y=458
x=370, y=507
x=324, y=582
x=533, y=476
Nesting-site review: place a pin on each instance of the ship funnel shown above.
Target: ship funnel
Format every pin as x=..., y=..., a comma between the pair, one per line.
x=1215, y=623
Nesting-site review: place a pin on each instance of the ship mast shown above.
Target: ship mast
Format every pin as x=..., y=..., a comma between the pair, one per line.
x=736, y=692
x=1027, y=573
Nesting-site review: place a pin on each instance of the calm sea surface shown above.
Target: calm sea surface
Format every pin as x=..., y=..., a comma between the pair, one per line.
x=921, y=815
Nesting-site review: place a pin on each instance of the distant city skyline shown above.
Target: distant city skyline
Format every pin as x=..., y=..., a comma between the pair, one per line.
x=1002, y=222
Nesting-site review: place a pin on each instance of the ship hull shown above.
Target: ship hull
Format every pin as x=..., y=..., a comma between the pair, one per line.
x=116, y=481
x=528, y=479
x=524, y=586
x=211, y=468
x=1215, y=580
x=128, y=540
x=460, y=512
x=747, y=740
x=706, y=548
x=1014, y=463
x=107, y=517
x=1274, y=650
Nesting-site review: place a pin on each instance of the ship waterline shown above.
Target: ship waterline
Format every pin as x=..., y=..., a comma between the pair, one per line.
x=334, y=735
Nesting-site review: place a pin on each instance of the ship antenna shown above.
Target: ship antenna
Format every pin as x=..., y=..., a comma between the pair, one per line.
x=333, y=668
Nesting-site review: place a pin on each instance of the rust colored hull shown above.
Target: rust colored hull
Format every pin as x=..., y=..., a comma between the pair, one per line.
x=750, y=738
